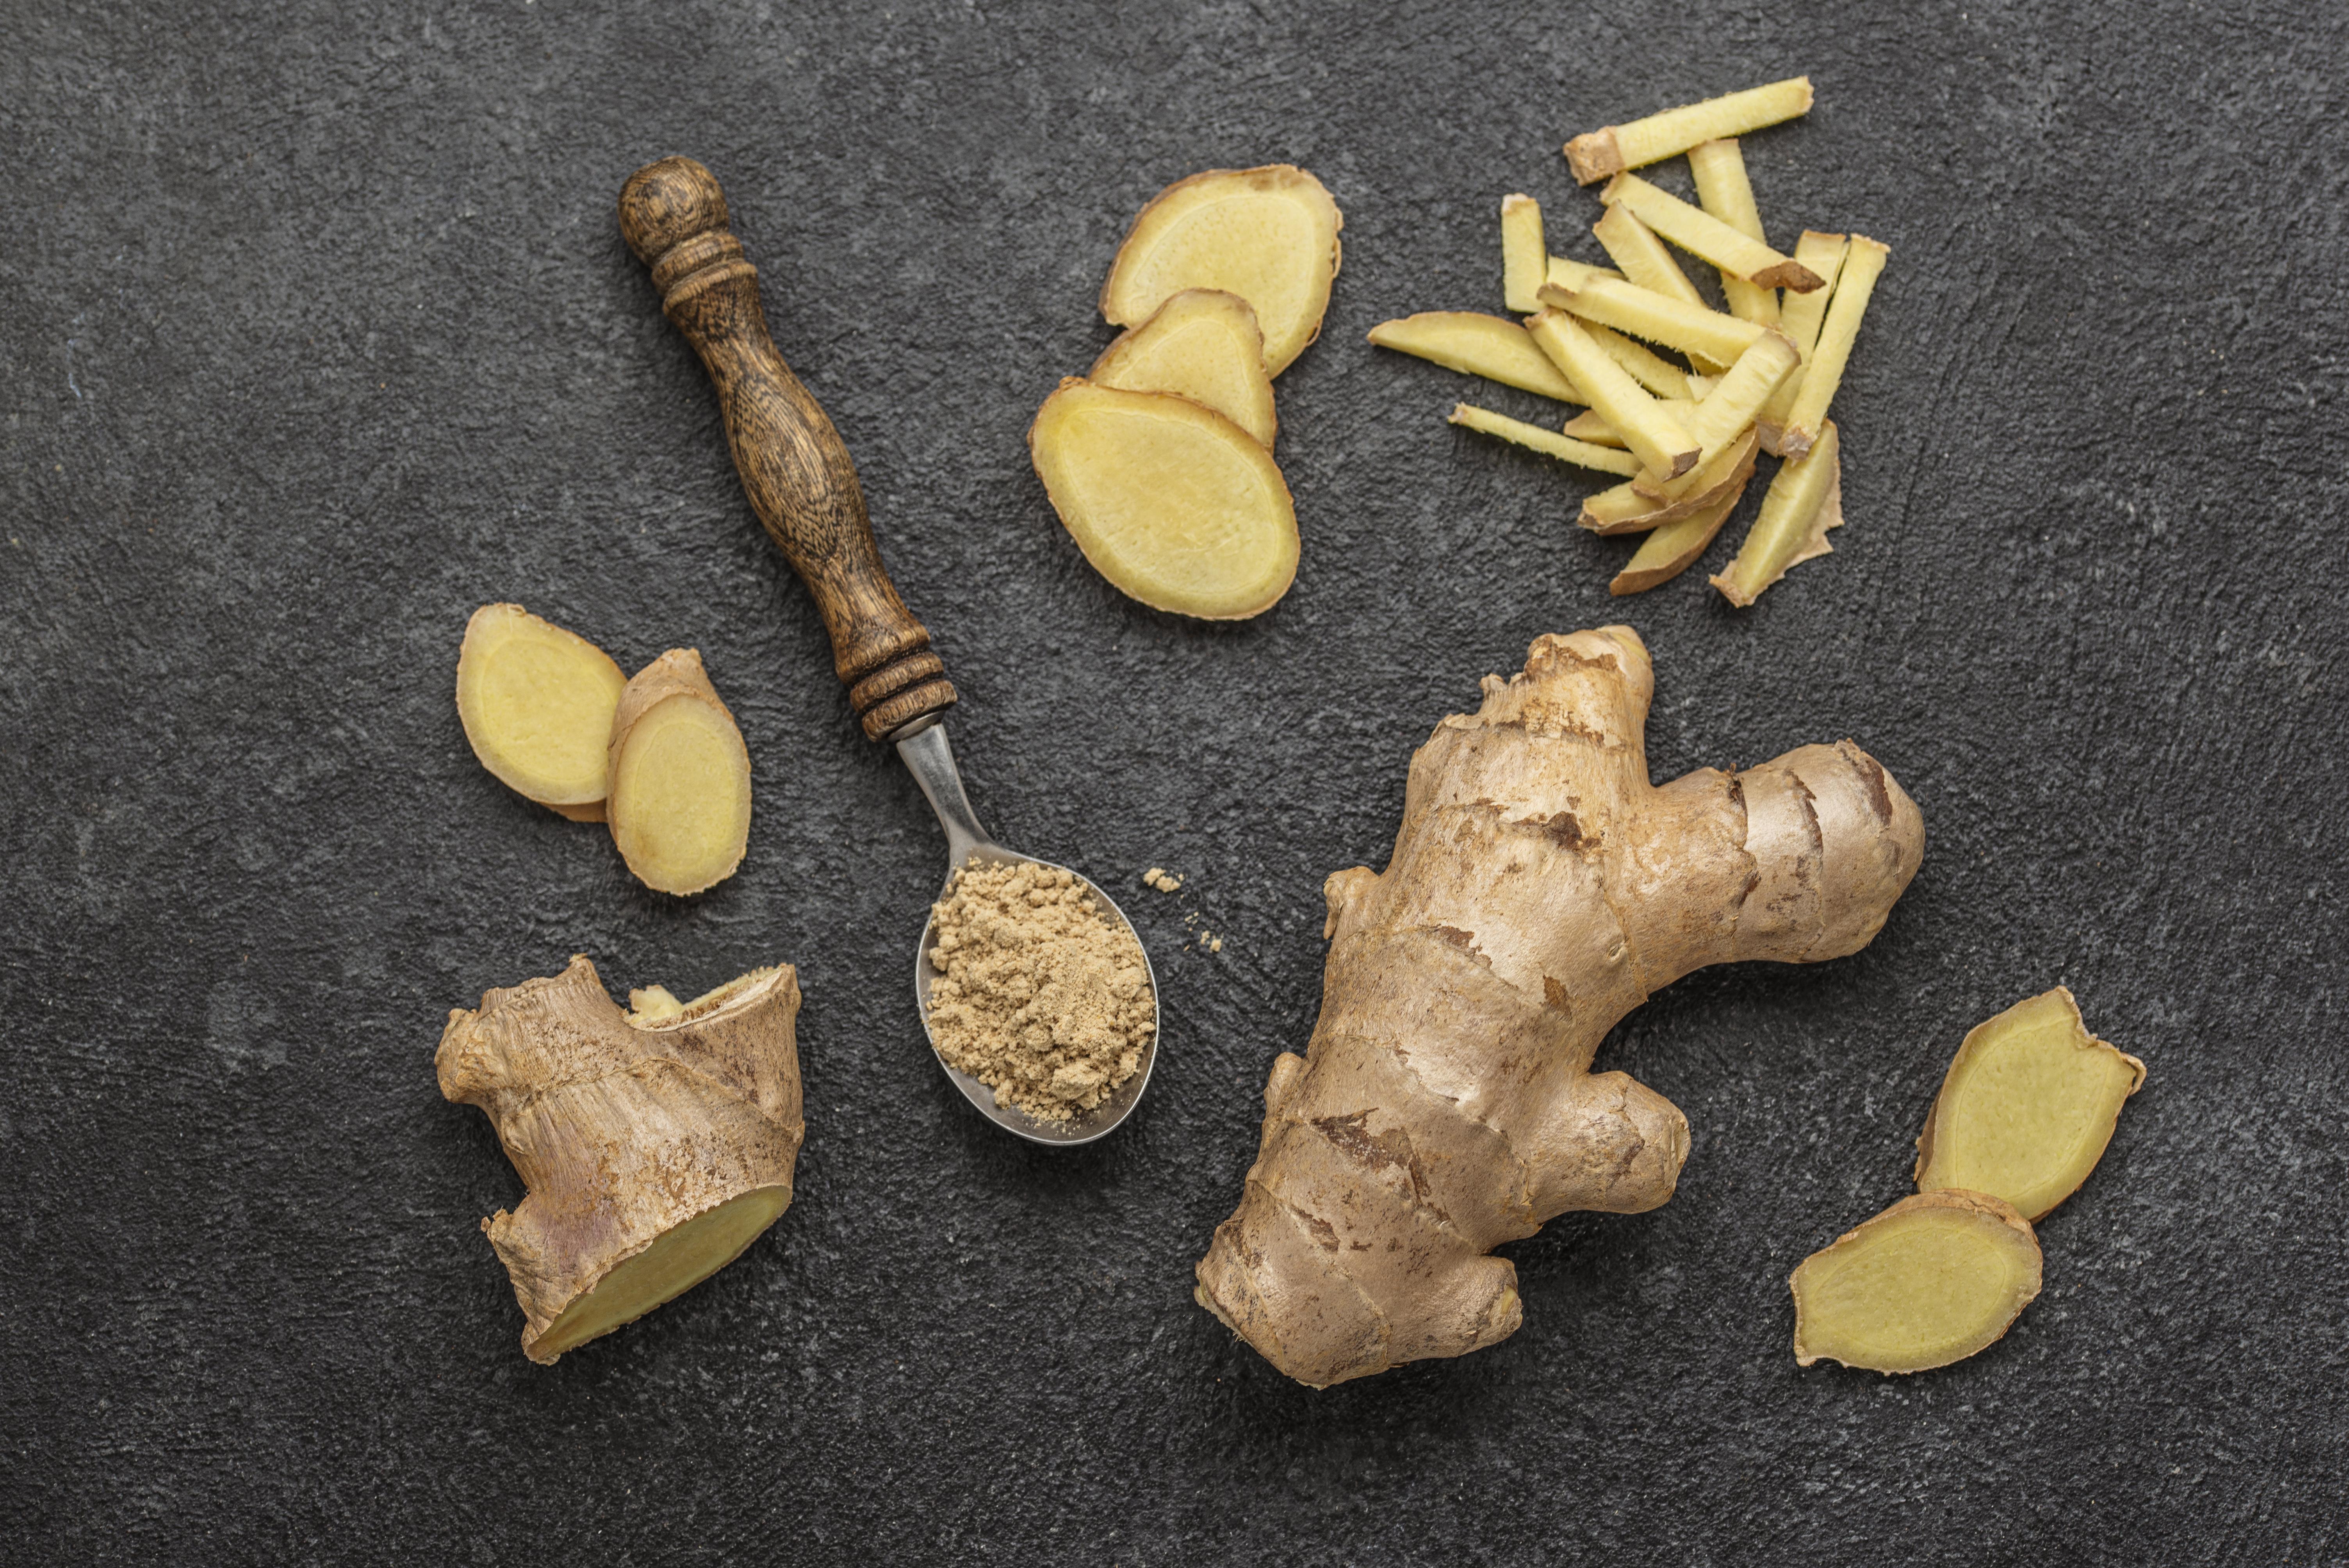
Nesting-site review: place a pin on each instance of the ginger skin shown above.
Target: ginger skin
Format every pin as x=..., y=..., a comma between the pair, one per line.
x=655, y=1145
x=1539, y=889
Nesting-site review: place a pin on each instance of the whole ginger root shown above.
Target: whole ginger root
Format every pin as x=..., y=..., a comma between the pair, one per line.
x=656, y=1144
x=1541, y=889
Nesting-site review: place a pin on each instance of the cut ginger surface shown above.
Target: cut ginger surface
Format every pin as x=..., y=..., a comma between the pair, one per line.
x=655, y=1145
x=536, y=702
x=1932, y=1280
x=1204, y=344
x=680, y=801
x=2027, y=1107
x=1174, y=503
x=1268, y=235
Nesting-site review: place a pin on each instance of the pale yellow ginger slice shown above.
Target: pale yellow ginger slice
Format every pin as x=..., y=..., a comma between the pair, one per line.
x=1799, y=317
x=1648, y=429
x=680, y=804
x=1672, y=549
x=1174, y=504
x=1724, y=190
x=1644, y=257
x=1572, y=274
x=1488, y=346
x=1626, y=508
x=1525, y=258
x=1612, y=149
x=1824, y=373
x=1726, y=412
x=1648, y=368
x=1642, y=313
x=1706, y=237
x=1204, y=344
x=1592, y=427
x=1268, y=235
x=1805, y=500
x=1549, y=443
x=1933, y=1279
x=536, y=703
x=2027, y=1107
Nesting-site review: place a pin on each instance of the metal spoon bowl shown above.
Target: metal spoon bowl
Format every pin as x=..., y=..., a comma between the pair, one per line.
x=930, y=759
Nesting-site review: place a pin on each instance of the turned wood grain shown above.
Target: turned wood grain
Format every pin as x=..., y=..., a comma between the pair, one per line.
x=798, y=475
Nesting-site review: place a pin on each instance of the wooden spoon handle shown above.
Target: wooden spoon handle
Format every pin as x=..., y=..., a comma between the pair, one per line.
x=798, y=475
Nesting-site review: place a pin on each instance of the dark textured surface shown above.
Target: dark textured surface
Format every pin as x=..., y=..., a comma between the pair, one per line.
x=315, y=332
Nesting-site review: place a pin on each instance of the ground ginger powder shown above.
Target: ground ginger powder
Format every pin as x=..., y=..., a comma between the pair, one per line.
x=1040, y=993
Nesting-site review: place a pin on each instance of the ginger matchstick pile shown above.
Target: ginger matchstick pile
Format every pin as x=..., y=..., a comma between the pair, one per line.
x=1681, y=435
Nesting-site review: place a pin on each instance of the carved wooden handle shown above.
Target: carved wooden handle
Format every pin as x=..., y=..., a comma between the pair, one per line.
x=799, y=477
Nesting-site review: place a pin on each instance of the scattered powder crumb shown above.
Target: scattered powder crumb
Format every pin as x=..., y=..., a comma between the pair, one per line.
x=1162, y=880
x=1041, y=994
x=1209, y=942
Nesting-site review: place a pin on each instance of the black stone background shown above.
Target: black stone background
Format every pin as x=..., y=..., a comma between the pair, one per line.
x=317, y=332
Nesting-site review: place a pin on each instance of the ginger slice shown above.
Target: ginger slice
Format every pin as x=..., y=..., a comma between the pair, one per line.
x=1806, y=500
x=1932, y=1280
x=536, y=702
x=1570, y=276
x=1268, y=235
x=1648, y=429
x=1724, y=190
x=1606, y=460
x=1727, y=413
x=1525, y=258
x=1628, y=509
x=1799, y=318
x=1706, y=237
x=1626, y=307
x=680, y=804
x=1863, y=264
x=1647, y=263
x=1672, y=549
x=1473, y=345
x=1648, y=368
x=655, y=1145
x=1174, y=504
x=1204, y=344
x=2027, y=1108
x=1612, y=148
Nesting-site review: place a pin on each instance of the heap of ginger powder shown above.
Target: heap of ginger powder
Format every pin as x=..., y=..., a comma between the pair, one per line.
x=1040, y=995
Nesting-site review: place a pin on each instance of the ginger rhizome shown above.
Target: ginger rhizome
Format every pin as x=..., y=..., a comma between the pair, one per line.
x=680, y=801
x=1541, y=889
x=1204, y=344
x=1268, y=235
x=536, y=702
x=1930, y=1280
x=655, y=1145
x=2027, y=1108
x=1174, y=504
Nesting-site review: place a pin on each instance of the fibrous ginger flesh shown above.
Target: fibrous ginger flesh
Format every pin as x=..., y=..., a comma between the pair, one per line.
x=1475, y=344
x=1692, y=329
x=1672, y=549
x=1805, y=500
x=1824, y=366
x=1268, y=235
x=654, y=1145
x=1525, y=258
x=1932, y=1280
x=1799, y=318
x=1722, y=189
x=1606, y=460
x=680, y=803
x=1650, y=432
x=536, y=702
x=1540, y=888
x=1204, y=344
x=1040, y=993
x=1615, y=147
x=1174, y=504
x=2027, y=1108
x=1706, y=237
x=1628, y=508
x=1726, y=416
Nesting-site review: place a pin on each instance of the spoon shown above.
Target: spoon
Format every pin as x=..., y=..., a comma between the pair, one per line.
x=802, y=484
